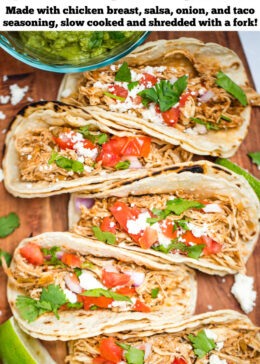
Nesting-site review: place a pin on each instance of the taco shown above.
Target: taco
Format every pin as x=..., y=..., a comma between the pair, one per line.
x=62, y=286
x=220, y=337
x=54, y=148
x=195, y=213
x=183, y=91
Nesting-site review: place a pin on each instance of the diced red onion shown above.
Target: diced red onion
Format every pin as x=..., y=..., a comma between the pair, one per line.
x=134, y=163
x=137, y=277
x=87, y=202
x=207, y=96
x=47, y=257
x=59, y=255
x=74, y=287
x=148, y=349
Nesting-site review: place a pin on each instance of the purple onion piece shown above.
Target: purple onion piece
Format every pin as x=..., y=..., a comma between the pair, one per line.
x=59, y=255
x=47, y=257
x=87, y=202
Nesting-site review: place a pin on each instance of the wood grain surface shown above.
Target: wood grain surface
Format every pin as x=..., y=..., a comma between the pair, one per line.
x=50, y=214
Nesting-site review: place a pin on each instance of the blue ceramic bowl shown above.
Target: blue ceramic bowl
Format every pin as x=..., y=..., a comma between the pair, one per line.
x=13, y=45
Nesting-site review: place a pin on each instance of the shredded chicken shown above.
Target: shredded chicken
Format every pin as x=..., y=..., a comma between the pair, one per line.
x=241, y=345
x=35, y=148
x=225, y=227
x=222, y=110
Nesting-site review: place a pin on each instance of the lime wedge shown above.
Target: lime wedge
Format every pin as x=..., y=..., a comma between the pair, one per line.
x=18, y=347
x=254, y=183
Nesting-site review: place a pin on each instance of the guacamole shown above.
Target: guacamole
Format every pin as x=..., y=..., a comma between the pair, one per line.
x=73, y=45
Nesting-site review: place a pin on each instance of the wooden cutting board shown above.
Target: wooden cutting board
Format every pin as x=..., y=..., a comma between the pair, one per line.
x=50, y=214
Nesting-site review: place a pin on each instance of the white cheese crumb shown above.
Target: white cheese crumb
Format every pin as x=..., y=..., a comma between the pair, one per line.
x=17, y=93
x=212, y=207
x=88, y=169
x=219, y=345
x=1, y=175
x=72, y=297
x=66, y=92
x=136, y=226
x=29, y=157
x=211, y=334
x=209, y=307
x=2, y=115
x=214, y=359
x=4, y=131
x=223, y=280
x=243, y=291
x=4, y=99
x=162, y=239
x=88, y=281
x=5, y=78
x=29, y=99
x=198, y=231
x=151, y=114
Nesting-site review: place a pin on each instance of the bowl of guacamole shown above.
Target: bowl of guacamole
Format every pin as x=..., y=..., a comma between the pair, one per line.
x=70, y=51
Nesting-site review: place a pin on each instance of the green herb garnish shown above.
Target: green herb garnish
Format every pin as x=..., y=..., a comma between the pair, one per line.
x=66, y=163
x=132, y=85
x=96, y=39
x=123, y=74
x=117, y=36
x=154, y=292
x=8, y=224
x=6, y=256
x=98, y=292
x=193, y=251
x=123, y=165
x=133, y=355
x=255, y=157
x=208, y=125
x=104, y=236
x=99, y=138
x=114, y=96
x=77, y=305
x=231, y=87
x=201, y=344
x=224, y=117
x=52, y=252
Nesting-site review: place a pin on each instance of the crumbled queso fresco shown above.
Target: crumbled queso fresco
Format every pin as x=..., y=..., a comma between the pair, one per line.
x=243, y=290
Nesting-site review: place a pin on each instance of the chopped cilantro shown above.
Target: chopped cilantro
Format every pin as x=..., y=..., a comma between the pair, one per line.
x=112, y=96
x=99, y=138
x=132, y=85
x=208, y=125
x=133, y=355
x=231, y=87
x=87, y=265
x=77, y=305
x=66, y=163
x=255, y=157
x=6, y=256
x=154, y=292
x=117, y=36
x=8, y=224
x=98, y=292
x=123, y=165
x=96, y=39
x=104, y=236
x=201, y=344
x=52, y=252
x=78, y=271
x=123, y=74
x=193, y=251
x=164, y=249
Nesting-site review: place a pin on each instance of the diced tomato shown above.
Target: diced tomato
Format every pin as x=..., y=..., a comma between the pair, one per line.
x=32, y=252
x=179, y=361
x=101, y=302
x=108, y=224
x=190, y=238
x=100, y=360
x=118, y=91
x=183, y=99
x=138, y=100
x=141, y=307
x=112, y=279
x=109, y=159
x=148, y=80
x=170, y=116
x=212, y=247
x=126, y=291
x=149, y=237
x=167, y=228
x=64, y=141
x=71, y=260
x=122, y=213
x=137, y=147
x=110, y=350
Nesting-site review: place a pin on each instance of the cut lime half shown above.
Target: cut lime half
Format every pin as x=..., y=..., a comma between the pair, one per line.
x=18, y=347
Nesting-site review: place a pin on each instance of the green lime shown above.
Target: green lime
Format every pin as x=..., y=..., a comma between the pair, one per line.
x=254, y=183
x=18, y=347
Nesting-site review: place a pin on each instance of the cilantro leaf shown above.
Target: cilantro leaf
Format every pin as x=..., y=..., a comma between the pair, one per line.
x=132, y=85
x=154, y=292
x=104, y=236
x=255, y=157
x=180, y=205
x=8, y=224
x=52, y=252
x=66, y=163
x=114, y=96
x=27, y=308
x=7, y=257
x=133, y=355
x=87, y=265
x=99, y=138
x=208, y=125
x=201, y=344
x=224, y=117
x=231, y=87
x=78, y=271
x=123, y=165
x=77, y=305
x=164, y=249
x=193, y=251
x=55, y=296
x=123, y=74
x=96, y=39
x=98, y=292
x=117, y=36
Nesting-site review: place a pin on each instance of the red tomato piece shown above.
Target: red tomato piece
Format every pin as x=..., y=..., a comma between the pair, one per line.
x=179, y=361
x=126, y=291
x=148, y=80
x=167, y=228
x=138, y=100
x=190, y=238
x=122, y=213
x=137, y=147
x=100, y=360
x=101, y=302
x=149, y=237
x=212, y=247
x=110, y=350
x=117, y=90
x=141, y=307
x=170, y=116
x=32, y=252
x=108, y=224
x=112, y=279
x=71, y=260
x=64, y=141
x=183, y=99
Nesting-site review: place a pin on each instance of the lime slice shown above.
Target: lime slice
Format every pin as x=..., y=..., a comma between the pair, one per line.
x=18, y=347
x=254, y=183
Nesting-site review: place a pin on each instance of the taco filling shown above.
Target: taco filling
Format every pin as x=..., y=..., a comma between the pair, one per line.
x=217, y=343
x=193, y=102
x=174, y=225
x=60, y=153
x=54, y=280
